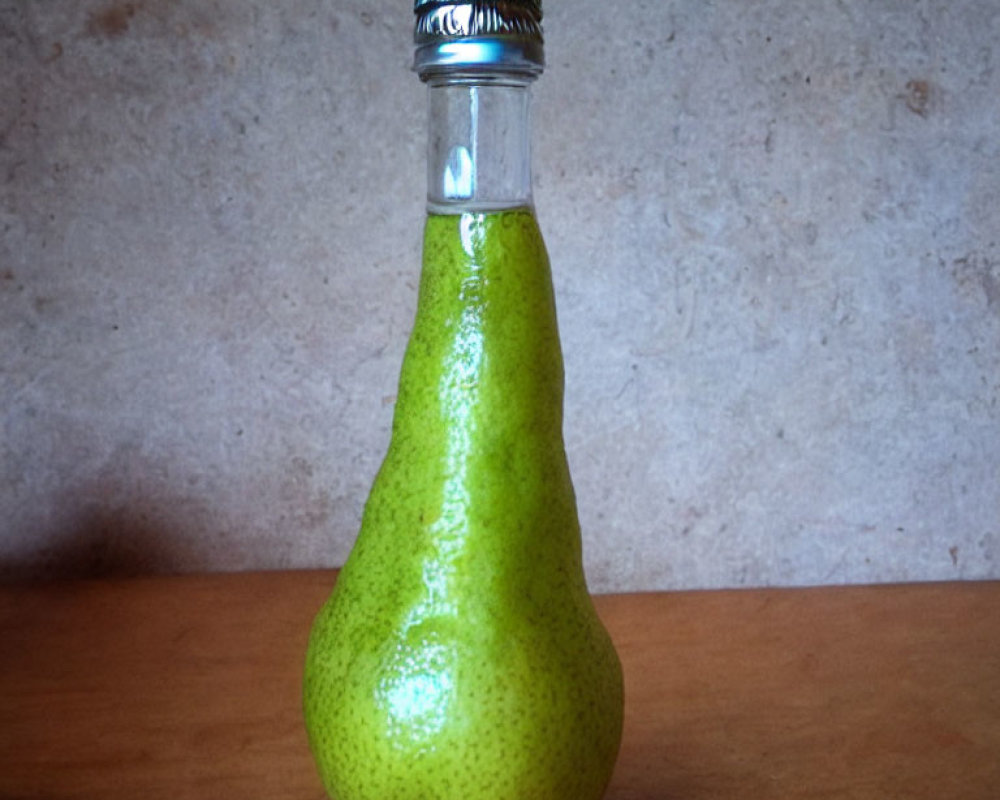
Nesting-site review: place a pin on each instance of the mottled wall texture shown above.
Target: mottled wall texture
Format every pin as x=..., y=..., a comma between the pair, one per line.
x=775, y=235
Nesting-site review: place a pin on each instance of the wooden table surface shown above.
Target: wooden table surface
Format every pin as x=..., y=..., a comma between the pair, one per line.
x=189, y=688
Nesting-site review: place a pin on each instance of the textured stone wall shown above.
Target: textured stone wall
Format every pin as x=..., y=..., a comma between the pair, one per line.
x=775, y=234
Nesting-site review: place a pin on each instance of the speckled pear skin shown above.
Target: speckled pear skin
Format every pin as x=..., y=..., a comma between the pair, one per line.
x=459, y=656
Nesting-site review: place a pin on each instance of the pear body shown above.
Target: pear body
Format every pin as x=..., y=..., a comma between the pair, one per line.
x=459, y=656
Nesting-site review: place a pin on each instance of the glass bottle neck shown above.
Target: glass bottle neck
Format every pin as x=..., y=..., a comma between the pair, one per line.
x=479, y=149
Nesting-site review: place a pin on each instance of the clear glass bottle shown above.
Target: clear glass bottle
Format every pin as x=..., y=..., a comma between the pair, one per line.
x=460, y=655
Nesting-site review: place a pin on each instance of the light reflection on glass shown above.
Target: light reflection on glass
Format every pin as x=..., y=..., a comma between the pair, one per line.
x=459, y=394
x=459, y=388
x=416, y=691
x=458, y=174
x=420, y=680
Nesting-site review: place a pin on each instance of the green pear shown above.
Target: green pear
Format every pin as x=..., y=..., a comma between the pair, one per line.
x=459, y=656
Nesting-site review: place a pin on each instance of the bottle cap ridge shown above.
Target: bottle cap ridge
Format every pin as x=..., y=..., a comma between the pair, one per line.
x=456, y=36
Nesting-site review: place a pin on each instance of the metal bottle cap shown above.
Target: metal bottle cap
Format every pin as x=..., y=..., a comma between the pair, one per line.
x=476, y=36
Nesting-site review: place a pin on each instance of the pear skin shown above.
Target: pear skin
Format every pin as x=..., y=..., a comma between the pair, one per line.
x=459, y=656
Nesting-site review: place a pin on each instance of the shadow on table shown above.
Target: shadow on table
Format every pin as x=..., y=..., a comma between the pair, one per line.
x=101, y=542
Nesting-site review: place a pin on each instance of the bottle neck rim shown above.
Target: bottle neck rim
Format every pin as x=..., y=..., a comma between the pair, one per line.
x=478, y=77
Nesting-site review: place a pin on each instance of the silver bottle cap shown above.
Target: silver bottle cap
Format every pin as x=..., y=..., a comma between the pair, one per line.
x=478, y=36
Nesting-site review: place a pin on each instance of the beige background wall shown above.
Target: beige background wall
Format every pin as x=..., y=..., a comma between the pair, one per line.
x=775, y=233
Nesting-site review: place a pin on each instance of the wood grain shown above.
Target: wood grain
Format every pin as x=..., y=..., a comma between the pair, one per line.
x=190, y=688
